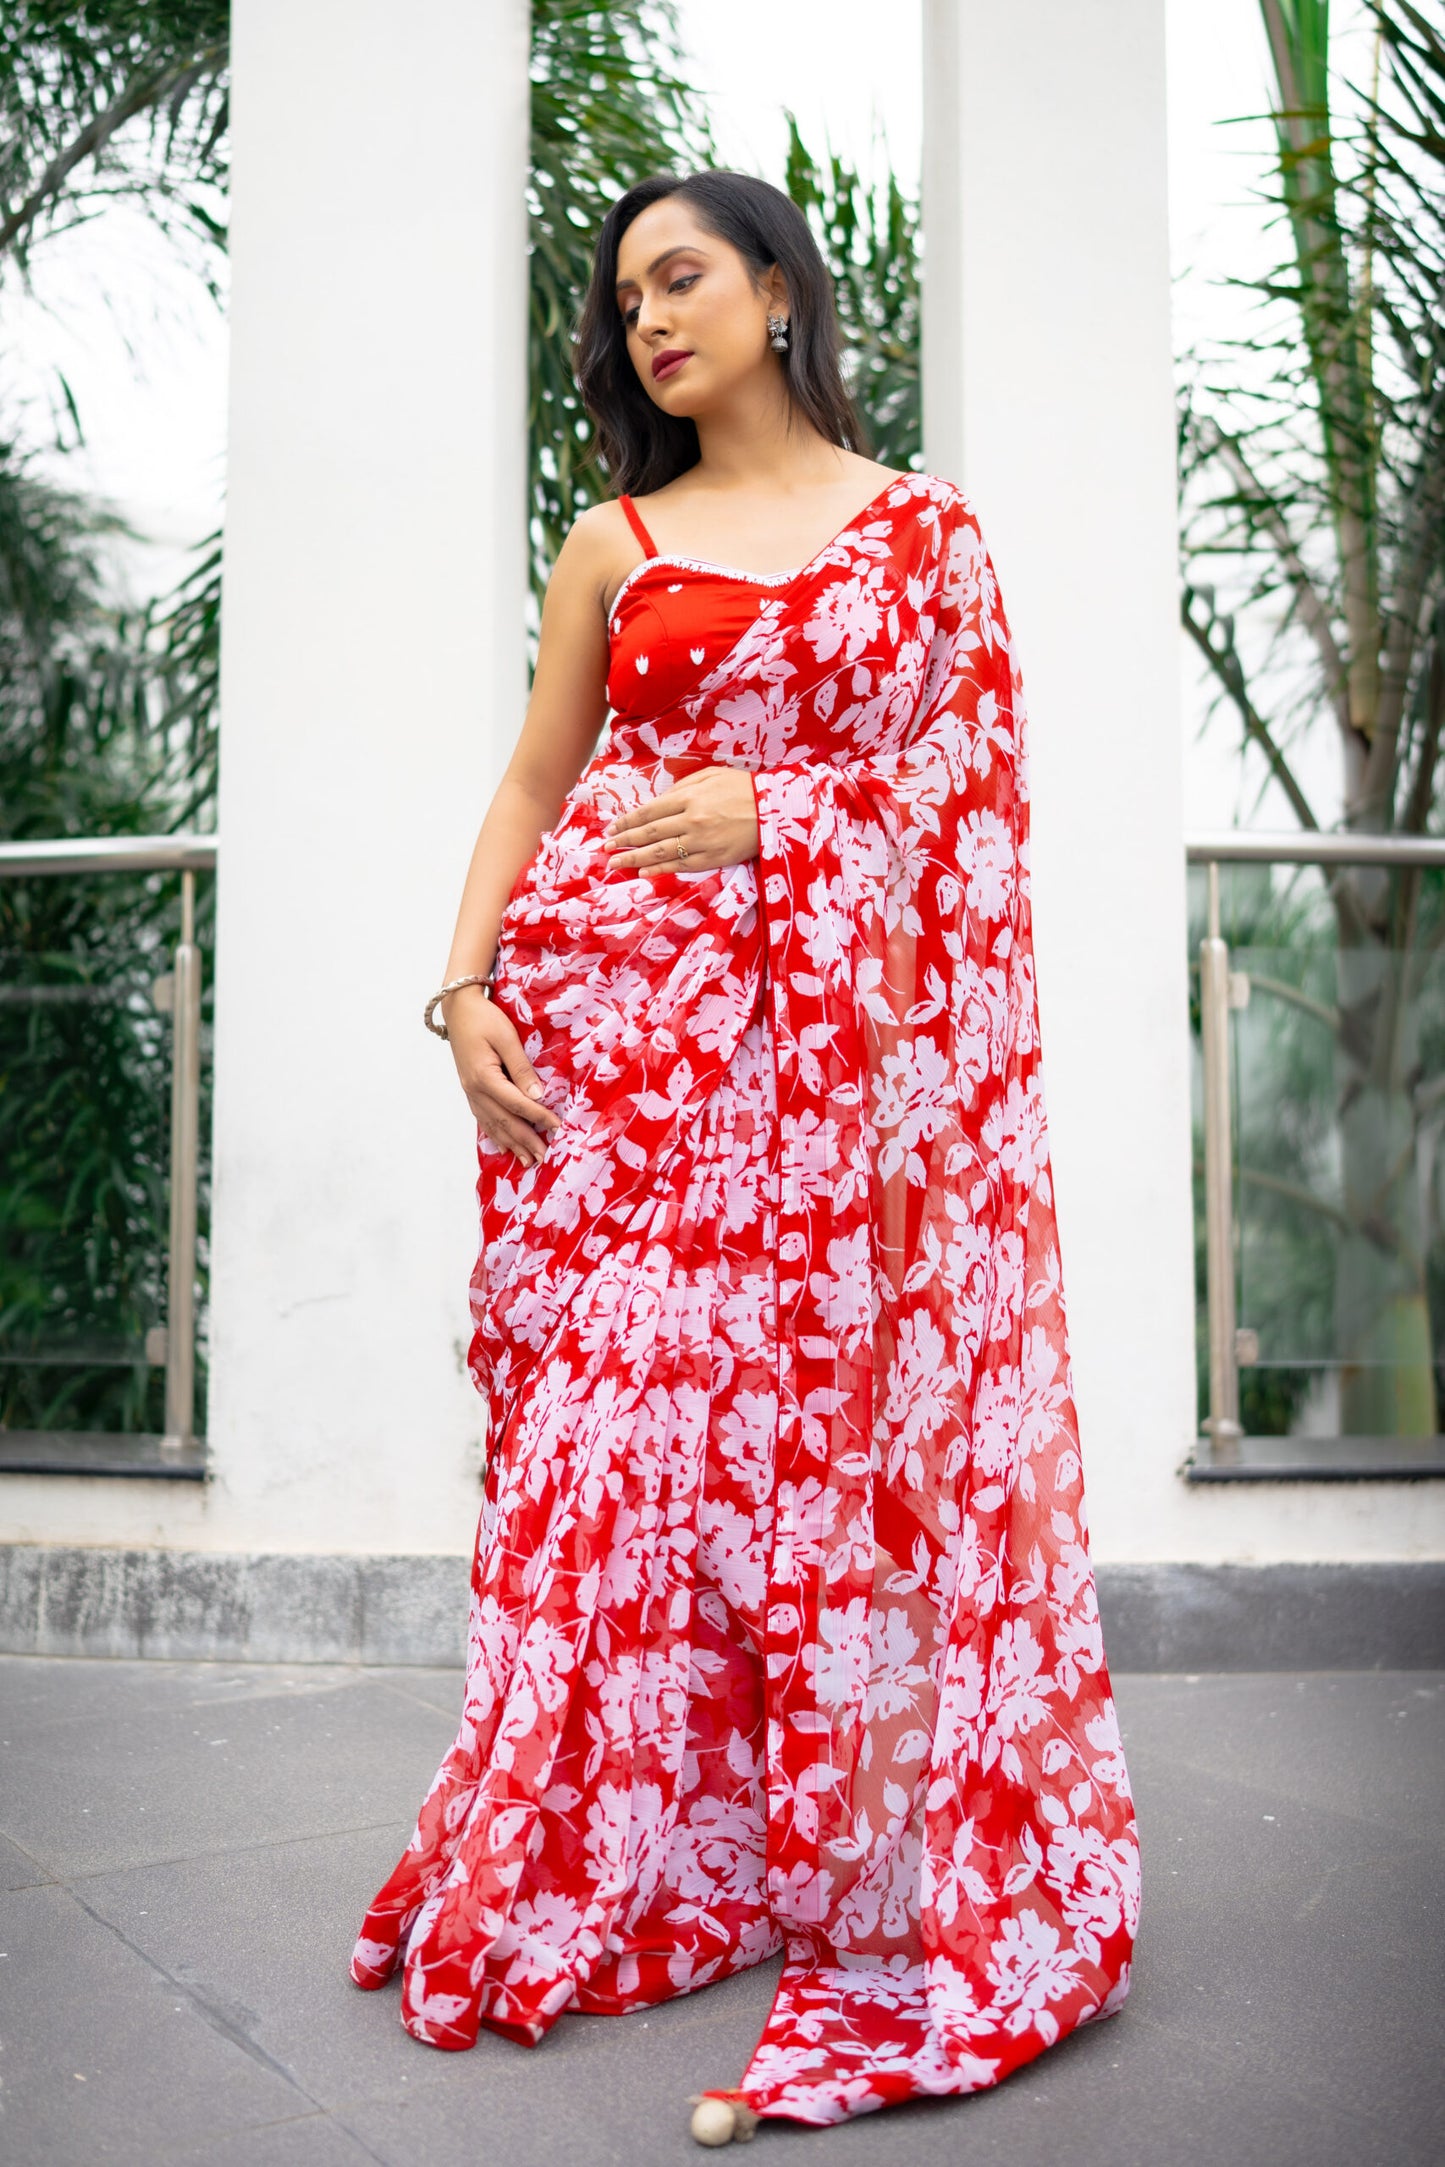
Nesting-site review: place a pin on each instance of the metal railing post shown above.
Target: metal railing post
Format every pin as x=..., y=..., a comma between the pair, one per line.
x=1223, y=1423
x=185, y=1155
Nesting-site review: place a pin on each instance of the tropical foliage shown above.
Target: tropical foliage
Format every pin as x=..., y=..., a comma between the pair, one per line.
x=108, y=715
x=108, y=101
x=83, y=1055
x=1313, y=470
x=107, y=727
x=870, y=239
x=609, y=106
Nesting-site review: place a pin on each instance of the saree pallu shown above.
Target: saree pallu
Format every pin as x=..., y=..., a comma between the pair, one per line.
x=783, y=1630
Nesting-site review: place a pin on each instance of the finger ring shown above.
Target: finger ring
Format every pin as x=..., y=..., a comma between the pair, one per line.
x=681, y=848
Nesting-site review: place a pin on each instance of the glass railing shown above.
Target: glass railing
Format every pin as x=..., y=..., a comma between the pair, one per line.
x=103, y=1172
x=1318, y=973
x=1319, y=1120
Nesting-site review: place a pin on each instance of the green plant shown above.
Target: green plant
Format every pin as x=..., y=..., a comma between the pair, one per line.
x=870, y=241
x=107, y=717
x=111, y=100
x=107, y=727
x=1313, y=535
x=83, y=1054
x=609, y=106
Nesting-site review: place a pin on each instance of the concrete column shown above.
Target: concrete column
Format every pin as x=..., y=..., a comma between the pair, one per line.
x=374, y=679
x=1048, y=396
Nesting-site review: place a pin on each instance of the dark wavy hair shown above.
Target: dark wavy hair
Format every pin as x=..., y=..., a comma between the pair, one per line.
x=635, y=442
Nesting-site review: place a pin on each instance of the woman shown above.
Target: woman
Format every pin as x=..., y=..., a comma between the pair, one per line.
x=783, y=1632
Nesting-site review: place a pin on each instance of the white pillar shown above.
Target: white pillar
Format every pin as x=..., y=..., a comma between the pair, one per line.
x=374, y=679
x=1048, y=395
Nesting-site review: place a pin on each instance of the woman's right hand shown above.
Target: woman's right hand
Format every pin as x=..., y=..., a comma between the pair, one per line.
x=503, y=1089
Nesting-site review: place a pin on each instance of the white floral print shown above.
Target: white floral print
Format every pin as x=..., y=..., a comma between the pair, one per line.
x=784, y=1630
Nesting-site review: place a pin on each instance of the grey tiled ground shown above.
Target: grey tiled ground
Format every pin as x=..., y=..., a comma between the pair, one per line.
x=186, y=1850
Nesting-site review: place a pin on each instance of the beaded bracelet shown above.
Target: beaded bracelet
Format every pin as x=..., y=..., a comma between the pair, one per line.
x=476, y=978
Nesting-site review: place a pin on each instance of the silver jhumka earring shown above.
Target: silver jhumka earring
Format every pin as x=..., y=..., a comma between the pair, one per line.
x=778, y=333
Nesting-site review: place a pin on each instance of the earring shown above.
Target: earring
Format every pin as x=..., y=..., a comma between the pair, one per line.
x=778, y=333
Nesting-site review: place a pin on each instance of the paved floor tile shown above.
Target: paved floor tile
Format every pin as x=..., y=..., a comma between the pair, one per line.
x=104, y=1771
x=270, y=1931
x=177, y=1993
x=17, y=1869
x=1364, y=1743
x=105, y=2058
x=312, y=2140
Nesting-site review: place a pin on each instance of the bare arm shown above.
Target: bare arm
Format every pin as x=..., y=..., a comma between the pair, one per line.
x=565, y=714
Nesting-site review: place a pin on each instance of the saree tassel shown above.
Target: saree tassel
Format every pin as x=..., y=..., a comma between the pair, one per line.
x=721, y=2118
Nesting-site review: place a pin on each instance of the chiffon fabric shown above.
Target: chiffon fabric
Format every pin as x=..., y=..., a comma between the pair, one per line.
x=783, y=1631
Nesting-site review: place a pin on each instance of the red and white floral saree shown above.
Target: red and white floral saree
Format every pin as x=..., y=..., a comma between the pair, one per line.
x=783, y=1629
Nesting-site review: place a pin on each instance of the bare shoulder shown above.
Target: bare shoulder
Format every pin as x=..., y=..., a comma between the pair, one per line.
x=869, y=470
x=599, y=550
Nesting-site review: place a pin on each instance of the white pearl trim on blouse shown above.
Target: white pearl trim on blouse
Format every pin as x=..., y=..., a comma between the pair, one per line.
x=703, y=564
x=772, y=579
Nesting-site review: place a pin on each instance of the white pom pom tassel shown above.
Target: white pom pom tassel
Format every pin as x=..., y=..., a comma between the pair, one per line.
x=721, y=2121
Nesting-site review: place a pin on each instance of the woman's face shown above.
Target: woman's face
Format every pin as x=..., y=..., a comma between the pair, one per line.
x=682, y=290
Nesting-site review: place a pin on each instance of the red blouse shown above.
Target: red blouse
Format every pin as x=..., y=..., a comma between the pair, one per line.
x=671, y=620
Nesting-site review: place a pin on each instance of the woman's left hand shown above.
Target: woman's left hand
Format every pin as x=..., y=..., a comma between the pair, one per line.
x=713, y=812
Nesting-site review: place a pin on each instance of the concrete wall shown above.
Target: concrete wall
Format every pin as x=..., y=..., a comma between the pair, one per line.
x=374, y=678
x=1048, y=394
x=186, y=1605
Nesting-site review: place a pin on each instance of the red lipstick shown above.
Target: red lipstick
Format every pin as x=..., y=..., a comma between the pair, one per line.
x=671, y=357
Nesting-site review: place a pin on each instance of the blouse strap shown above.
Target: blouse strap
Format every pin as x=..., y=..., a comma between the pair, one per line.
x=635, y=518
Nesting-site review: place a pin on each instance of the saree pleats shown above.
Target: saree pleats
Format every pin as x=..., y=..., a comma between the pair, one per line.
x=783, y=1626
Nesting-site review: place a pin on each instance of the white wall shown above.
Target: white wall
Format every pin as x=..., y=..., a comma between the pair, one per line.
x=1048, y=395
x=374, y=677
